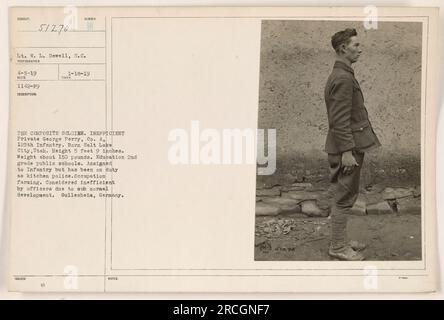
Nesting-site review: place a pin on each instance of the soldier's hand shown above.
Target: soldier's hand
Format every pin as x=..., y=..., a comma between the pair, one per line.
x=348, y=162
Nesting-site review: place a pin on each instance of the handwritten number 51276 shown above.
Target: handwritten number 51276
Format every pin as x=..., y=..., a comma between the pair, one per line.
x=58, y=28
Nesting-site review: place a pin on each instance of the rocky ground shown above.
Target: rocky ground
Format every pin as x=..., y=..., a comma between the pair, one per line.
x=293, y=223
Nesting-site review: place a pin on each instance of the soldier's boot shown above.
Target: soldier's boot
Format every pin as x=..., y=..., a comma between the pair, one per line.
x=346, y=254
x=357, y=246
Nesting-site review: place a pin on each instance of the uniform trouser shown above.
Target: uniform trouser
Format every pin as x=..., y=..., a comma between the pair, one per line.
x=346, y=191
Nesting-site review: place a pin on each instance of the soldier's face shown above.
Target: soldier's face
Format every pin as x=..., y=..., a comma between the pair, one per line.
x=352, y=50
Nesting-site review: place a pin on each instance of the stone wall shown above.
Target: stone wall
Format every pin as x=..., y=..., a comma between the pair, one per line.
x=296, y=59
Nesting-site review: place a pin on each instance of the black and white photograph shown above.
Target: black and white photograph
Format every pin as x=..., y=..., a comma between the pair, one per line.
x=222, y=150
x=345, y=100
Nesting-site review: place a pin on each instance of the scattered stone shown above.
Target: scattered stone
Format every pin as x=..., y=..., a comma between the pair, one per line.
x=286, y=230
x=319, y=190
x=272, y=192
x=396, y=193
x=304, y=185
x=269, y=181
x=263, y=209
x=324, y=203
x=373, y=193
x=393, y=204
x=401, y=171
x=275, y=228
x=388, y=193
x=298, y=186
x=286, y=205
x=301, y=195
x=265, y=246
x=288, y=196
x=290, y=188
x=359, y=208
x=379, y=208
x=310, y=208
x=417, y=191
x=260, y=240
x=375, y=188
x=410, y=205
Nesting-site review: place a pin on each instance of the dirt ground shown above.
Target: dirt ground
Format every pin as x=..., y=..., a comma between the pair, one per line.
x=298, y=238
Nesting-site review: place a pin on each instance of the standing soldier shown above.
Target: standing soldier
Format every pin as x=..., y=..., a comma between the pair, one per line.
x=350, y=135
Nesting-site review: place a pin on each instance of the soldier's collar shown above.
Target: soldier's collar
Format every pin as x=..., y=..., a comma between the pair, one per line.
x=342, y=65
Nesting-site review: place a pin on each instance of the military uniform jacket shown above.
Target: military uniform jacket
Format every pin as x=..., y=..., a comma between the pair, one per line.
x=349, y=125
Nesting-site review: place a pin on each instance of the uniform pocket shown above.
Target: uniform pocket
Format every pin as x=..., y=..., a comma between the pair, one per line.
x=362, y=134
x=359, y=126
